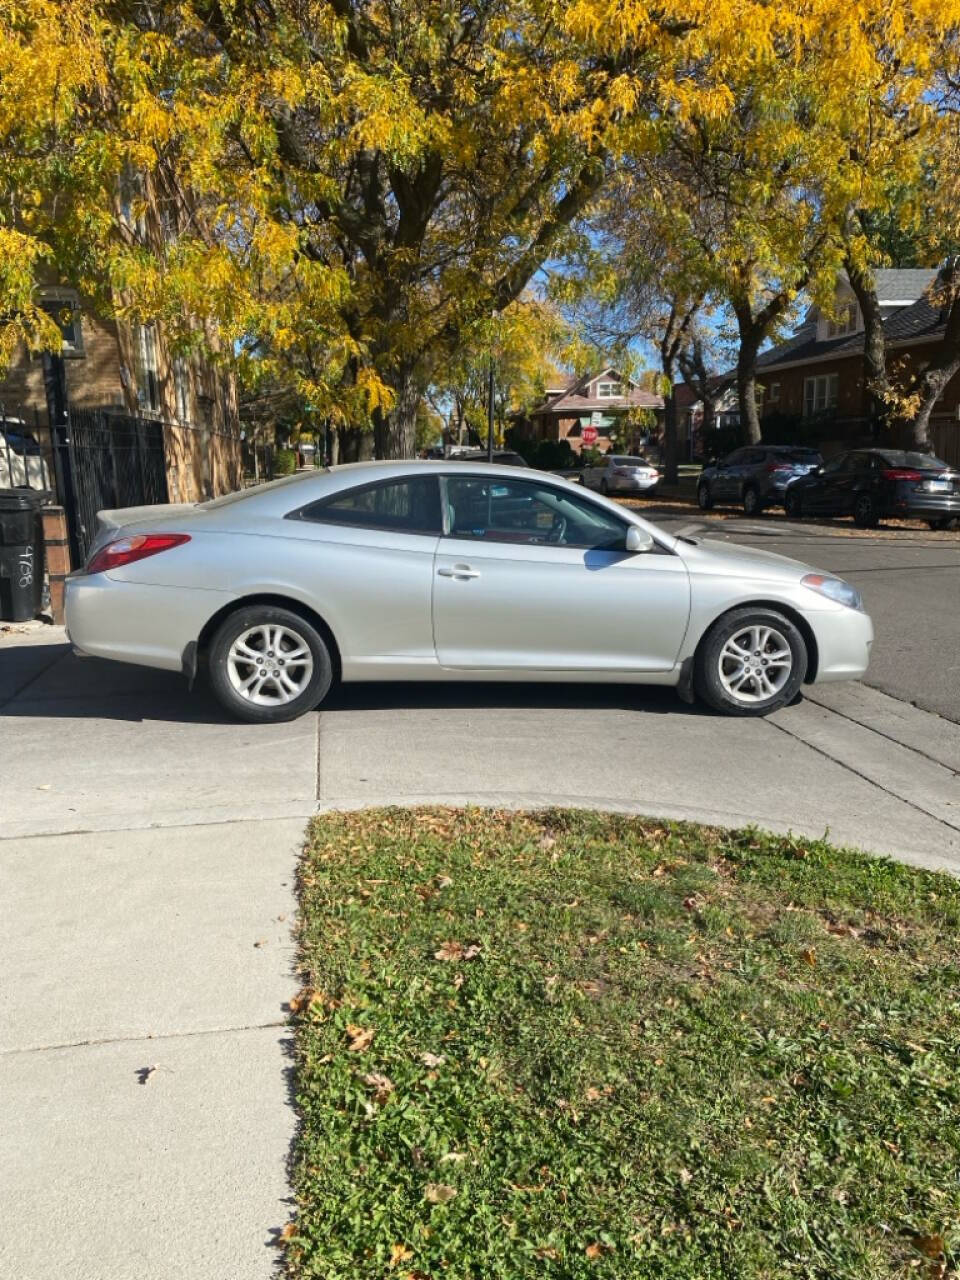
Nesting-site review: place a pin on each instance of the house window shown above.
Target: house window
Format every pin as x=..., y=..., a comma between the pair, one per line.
x=820, y=394
x=64, y=310
x=609, y=390
x=181, y=387
x=845, y=322
x=148, y=377
x=773, y=393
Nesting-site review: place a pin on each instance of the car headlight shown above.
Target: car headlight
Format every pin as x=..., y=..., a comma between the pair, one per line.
x=834, y=589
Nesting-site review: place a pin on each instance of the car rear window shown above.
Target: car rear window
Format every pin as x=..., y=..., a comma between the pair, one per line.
x=921, y=461
x=629, y=462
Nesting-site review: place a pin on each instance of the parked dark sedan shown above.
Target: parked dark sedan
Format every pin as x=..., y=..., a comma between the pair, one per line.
x=757, y=476
x=870, y=484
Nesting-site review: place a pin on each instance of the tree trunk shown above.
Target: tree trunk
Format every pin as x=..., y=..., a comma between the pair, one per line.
x=671, y=472
x=932, y=382
x=875, y=378
x=355, y=444
x=747, y=396
x=395, y=430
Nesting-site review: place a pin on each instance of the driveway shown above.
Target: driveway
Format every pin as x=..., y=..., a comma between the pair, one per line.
x=147, y=867
x=147, y=862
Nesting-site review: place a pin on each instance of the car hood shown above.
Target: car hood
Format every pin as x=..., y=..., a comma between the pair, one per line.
x=708, y=555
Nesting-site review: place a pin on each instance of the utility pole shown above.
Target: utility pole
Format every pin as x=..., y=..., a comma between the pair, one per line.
x=490, y=412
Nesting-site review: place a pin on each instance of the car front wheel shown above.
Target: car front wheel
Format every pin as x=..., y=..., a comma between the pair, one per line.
x=269, y=664
x=752, y=504
x=750, y=662
x=793, y=504
x=704, y=497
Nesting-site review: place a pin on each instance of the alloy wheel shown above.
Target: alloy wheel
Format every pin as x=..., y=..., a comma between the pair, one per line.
x=269, y=665
x=754, y=664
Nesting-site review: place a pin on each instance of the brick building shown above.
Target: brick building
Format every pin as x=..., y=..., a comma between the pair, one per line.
x=819, y=372
x=597, y=400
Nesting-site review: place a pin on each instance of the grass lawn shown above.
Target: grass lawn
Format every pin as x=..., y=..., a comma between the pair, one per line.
x=575, y=1045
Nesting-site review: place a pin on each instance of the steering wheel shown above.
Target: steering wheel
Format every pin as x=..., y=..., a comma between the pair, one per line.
x=558, y=530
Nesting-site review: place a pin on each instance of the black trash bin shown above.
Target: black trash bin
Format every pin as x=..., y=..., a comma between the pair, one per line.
x=21, y=554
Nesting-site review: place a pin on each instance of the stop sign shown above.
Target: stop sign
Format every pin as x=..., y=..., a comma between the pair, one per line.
x=588, y=435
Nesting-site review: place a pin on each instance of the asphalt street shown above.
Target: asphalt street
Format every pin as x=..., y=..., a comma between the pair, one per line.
x=910, y=586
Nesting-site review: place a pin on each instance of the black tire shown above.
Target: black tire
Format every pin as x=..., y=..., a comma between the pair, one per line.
x=793, y=505
x=752, y=502
x=944, y=522
x=709, y=663
x=315, y=677
x=865, y=512
x=704, y=497
x=604, y=488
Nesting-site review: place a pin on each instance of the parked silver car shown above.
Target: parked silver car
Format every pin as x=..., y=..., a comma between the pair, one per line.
x=432, y=571
x=620, y=474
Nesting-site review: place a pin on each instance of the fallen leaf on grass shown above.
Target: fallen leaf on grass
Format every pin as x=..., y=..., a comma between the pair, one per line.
x=931, y=1246
x=809, y=956
x=596, y=1250
x=686, y=1177
x=399, y=1253
x=432, y=1059
x=439, y=1192
x=381, y=1085
x=360, y=1037
x=288, y=1232
x=453, y=951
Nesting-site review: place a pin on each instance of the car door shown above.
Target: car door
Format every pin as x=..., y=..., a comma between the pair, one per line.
x=854, y=476
x=532, y=576
x=726, y=483
x=368, y=555
x=822, y=493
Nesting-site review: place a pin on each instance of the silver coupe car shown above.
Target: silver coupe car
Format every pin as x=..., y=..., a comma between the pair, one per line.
x=439, y=571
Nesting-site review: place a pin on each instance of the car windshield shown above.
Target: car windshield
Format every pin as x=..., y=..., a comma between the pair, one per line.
x=629, y=462
x=921, y=461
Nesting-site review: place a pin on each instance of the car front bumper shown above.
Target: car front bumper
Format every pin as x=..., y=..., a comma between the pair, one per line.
x=844, y=638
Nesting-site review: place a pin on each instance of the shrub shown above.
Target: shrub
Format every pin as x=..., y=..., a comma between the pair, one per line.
x=284, y=462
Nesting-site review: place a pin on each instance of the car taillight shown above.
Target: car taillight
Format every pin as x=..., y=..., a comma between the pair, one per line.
x=902, y=473
x=135, y=547
x=777, y=466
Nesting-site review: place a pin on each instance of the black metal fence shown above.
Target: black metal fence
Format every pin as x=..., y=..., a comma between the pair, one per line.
x=105, y=460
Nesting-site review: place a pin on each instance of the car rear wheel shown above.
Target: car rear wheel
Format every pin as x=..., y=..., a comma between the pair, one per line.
x=604, y=488
x=793, y=505
x=750, y=662
x=269, y=664
x=944, y=522
x=752, y=504
x=704, y=497
x=865, y=512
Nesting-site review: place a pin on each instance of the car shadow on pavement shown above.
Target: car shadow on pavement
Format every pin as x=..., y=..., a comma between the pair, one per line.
x=67, y=687
x=508, y=695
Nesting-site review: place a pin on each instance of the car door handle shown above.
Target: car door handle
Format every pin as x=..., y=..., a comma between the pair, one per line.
x=457, y=571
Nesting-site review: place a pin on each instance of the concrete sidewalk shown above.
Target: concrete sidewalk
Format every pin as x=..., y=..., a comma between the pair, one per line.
x=147, y=867
x=146, y=889
x=847, y=761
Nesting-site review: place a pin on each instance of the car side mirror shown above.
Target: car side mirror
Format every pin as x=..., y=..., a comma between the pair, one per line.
x=638, y=539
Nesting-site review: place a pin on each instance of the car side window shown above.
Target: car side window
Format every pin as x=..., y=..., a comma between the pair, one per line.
x=488, y=509
x=734, y=459
x=408, y=505
x=858, y=462
x=835, y=464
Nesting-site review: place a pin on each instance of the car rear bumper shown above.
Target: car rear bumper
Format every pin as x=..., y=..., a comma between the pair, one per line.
x=133, y=622
x=624, y=484
x=926, y=506
x=844, y=638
